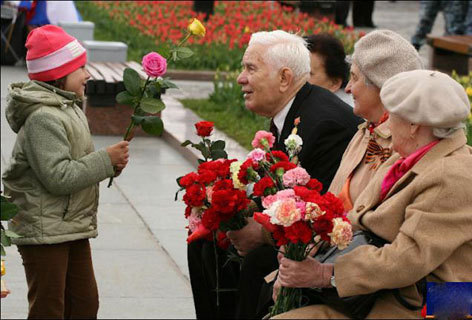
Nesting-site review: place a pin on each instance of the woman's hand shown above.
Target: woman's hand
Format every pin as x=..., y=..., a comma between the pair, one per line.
x=304, y=274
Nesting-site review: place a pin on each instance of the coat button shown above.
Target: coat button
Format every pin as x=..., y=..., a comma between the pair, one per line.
x=360, y=208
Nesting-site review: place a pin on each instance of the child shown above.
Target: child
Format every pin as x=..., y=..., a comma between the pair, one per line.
x=53, y=177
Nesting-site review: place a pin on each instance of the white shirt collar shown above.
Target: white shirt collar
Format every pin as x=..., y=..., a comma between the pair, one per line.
x=279, y=118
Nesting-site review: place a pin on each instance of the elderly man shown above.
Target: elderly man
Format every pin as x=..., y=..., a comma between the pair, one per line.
x=276, y=67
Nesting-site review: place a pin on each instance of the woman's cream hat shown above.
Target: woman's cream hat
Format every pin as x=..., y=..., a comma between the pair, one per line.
x=426, y=97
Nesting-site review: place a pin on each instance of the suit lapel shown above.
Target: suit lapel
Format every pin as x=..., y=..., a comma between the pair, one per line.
x=293, y=113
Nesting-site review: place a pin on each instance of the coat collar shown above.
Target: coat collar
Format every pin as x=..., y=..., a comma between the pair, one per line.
x=382, y=130
x=442, y=149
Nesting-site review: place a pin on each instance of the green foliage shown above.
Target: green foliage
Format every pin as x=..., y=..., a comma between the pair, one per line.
x=8, y=211
x=237, y=124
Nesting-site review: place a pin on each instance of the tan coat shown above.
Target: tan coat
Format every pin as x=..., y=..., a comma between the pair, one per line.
x=427, y=217
x=353, y=160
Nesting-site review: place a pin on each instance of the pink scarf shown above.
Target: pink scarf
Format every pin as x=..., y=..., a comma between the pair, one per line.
x=401, y=166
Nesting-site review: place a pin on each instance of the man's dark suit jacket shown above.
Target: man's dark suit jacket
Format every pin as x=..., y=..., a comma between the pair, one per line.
x=327, y=124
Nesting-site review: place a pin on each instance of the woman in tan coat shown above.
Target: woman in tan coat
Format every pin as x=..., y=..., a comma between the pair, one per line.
x=419, y=203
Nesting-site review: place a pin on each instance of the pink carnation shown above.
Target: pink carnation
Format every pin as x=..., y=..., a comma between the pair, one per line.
x=194, y=220
x=284, y=212
x=263, y=140
x=341, y=234
x=154, y=64
x=281, y=195
x=296, y=177
x=256, y=155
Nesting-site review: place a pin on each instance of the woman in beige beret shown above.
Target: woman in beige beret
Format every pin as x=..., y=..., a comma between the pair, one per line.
x=419, y=203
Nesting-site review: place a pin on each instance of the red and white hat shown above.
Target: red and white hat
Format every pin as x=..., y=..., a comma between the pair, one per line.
x=52, y=53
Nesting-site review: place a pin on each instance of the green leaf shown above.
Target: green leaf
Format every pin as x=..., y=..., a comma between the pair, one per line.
x=132, y=81
x=137, y=119
x=4, y=239
x=166, y=83
x=125, y=98
x=174, y=55
x=218, y=145
x=151, y=105
x=8, y=209
x=186, y=143
x=219, y=154
x=200, y=161
x=11, y=234
x=3, y=251
x=203, y=149
x=184, y=52
x=153, y=125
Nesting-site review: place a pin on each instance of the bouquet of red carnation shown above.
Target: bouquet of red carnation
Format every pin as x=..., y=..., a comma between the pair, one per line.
x=214, y=204
x=294, y=212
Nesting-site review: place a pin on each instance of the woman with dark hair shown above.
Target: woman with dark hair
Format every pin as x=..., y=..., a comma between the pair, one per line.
x=329, y=68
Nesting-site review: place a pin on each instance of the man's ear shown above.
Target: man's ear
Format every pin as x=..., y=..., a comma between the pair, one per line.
x=286, y=79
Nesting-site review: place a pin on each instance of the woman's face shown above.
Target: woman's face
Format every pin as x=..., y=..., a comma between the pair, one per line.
x=367, y=103
x=318, y=74
x=402, y=141
x=76, y=81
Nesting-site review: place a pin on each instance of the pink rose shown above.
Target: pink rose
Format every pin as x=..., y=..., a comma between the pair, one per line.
x=154, y=64
x=263, y=139
x=296, y=177
x=256, y=155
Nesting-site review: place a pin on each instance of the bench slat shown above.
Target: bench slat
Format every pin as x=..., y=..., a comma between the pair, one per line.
x=456, y=43
x=108, y=75
x=94, y=73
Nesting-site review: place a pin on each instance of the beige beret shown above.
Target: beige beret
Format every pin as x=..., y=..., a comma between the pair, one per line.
x=426, y=97
x=381, y=54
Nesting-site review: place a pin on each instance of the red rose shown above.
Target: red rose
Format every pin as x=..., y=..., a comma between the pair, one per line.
x=204, y=128
x=261, y=186
x=194, y=195
x=314, y=184
x=284, y=165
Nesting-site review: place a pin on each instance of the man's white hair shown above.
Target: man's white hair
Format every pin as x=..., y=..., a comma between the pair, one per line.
x=284, y=50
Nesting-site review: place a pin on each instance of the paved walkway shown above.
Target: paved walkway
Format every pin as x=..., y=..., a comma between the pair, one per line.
x=140, y=253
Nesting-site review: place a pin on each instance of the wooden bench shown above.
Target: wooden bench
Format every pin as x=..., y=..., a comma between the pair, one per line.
x=449, y=53
x=105, y=116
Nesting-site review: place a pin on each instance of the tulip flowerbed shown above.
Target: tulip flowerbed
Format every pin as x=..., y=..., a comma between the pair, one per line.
x=153, y=25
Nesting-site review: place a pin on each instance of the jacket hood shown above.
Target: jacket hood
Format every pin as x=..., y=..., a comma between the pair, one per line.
x=26, y=97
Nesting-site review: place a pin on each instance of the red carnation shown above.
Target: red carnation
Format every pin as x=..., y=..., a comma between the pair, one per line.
x=314, y=184
x=298, y=231
x=279, y=237
x=284, y=165
x=261, y=186
x=194, y=195
x=223, y=185
x=278, y=155
x=243, y=170
x=188, y=179
x=264, y=220
x=207, y=176
x=211, y=219
x=204, y=128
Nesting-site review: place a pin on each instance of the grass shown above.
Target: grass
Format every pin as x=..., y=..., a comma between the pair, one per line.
x=241, y=126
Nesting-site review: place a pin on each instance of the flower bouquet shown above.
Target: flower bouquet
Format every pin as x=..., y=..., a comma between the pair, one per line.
x=294, y=212
x=214, y=204
x=145, y=96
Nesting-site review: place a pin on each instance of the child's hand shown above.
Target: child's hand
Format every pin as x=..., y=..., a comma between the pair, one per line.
x=119, y=154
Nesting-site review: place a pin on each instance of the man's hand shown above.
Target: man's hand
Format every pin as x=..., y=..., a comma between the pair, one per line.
x=248, y=238
x=304, y=274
